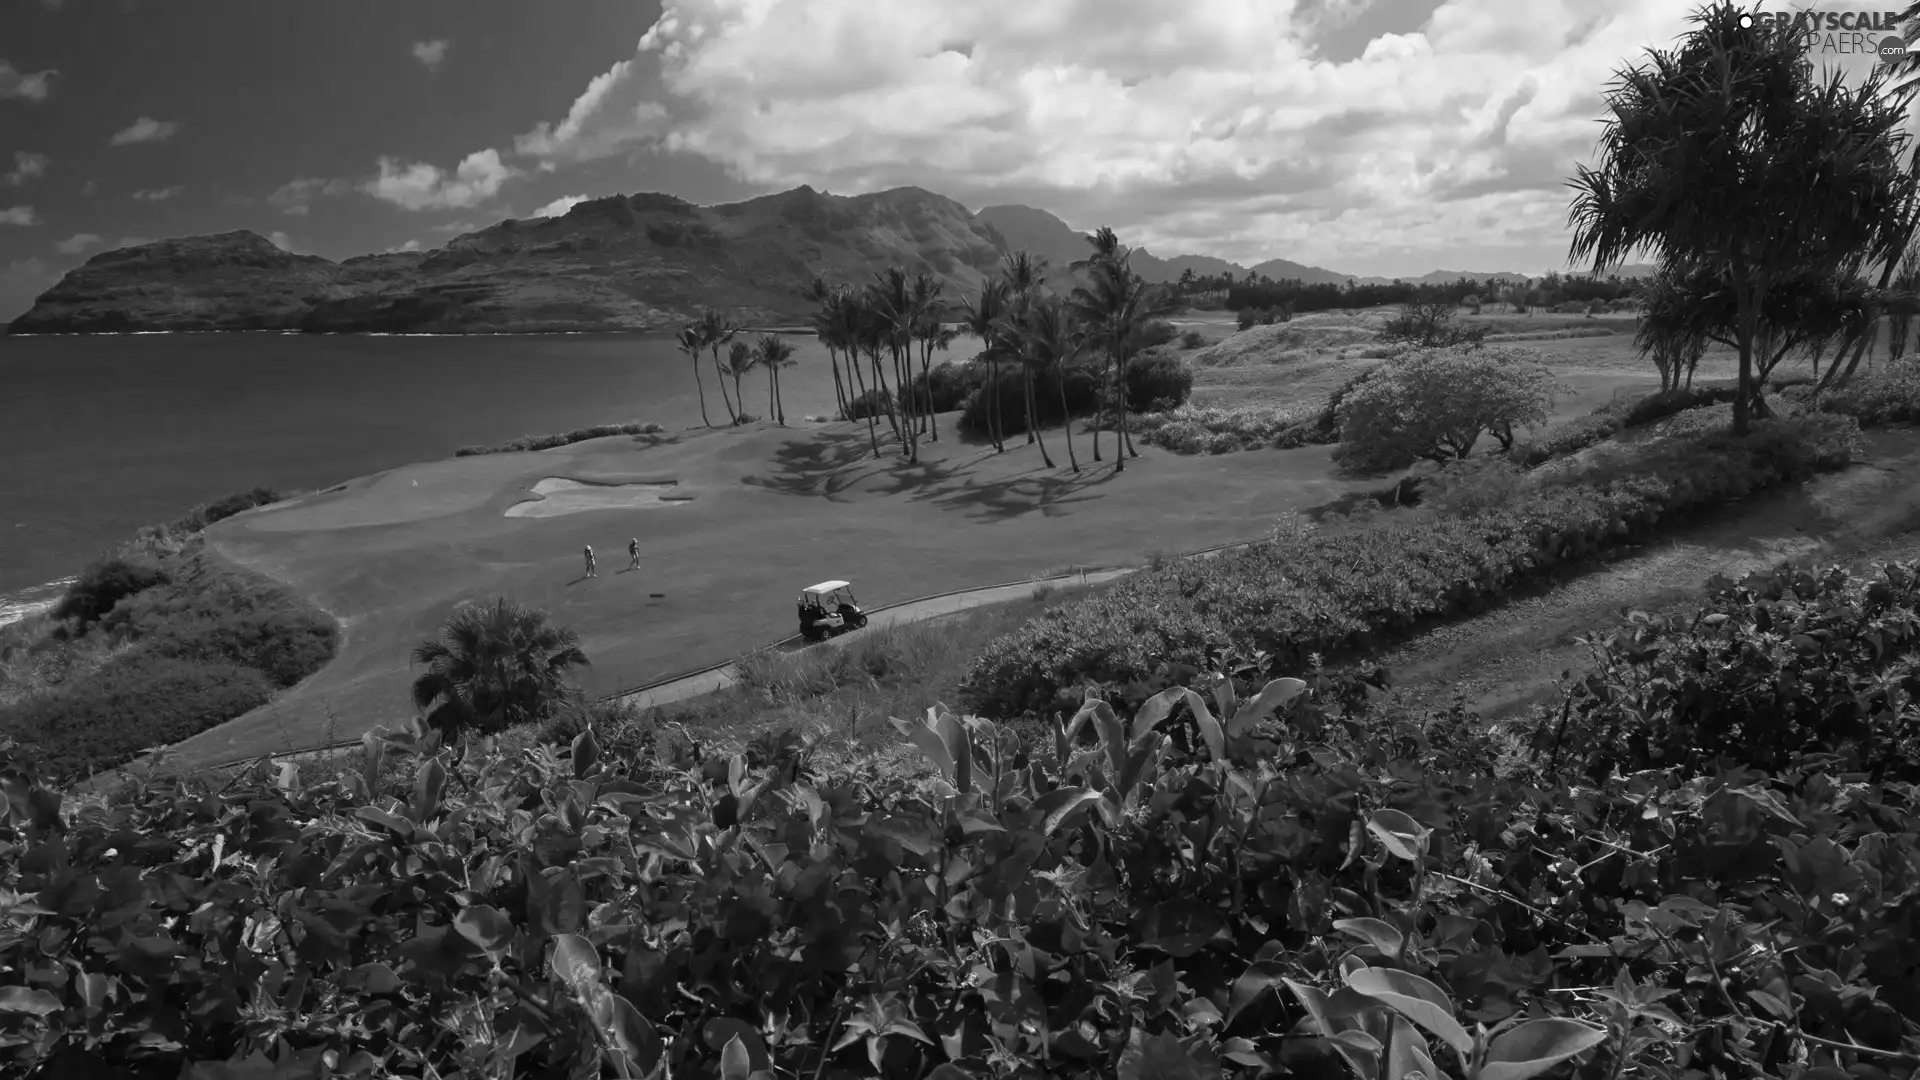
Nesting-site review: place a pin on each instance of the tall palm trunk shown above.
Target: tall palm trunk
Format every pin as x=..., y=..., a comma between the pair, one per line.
x=702, y=384
x=873, y=429
x=1066, y=420
x=740, y=396
x=1026, y=401
x=733, y=417
x=993, y=400
x=779, y=400
x=1033, y=418
x=839, y=388
x=902, y=369
x=886, y=393
x=1100, y=406
x=769, y=391
x=926, y=376
x=1120, y=406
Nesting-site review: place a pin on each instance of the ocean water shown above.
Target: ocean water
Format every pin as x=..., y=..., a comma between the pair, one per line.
x=102, y=434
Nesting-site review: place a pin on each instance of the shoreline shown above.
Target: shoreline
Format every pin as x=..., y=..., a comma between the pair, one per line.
x=795, y=330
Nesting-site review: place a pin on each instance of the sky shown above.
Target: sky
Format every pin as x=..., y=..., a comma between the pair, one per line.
x=1372, y=137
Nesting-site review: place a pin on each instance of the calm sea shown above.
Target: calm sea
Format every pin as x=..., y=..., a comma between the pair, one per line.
x=100, y=435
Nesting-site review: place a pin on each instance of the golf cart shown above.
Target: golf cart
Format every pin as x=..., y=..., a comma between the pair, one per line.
x=827, y=609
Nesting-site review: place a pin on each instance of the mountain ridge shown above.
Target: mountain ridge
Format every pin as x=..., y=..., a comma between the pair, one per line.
x=645, y=261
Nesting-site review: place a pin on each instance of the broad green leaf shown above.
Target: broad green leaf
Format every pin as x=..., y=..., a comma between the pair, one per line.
x=1161, y=1057
x=1271, y=697
x=959, y=743
x=1379, y=933
x=1408, y=1053
x=393, y=823
x=576, y=963
x=487, y=928
x=1415, y=998
x=1536, y=1046
x=930, y=744
x=1059, y=804
x=20, y=999
x=1155, y=709
x=1224, y=696
x=429, y=782
x=735, y=1064
x=1401, y=835
x=1210, y=731
x=1253, y=982
x=586, y=753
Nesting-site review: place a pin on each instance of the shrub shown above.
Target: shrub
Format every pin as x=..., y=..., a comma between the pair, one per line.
x=1192, y=339
x=1436, y=403
x=136, y=701
x=1248, y=319
x=103, y=584
x=1157, y=381
x=1083, y=395
x=548, y=442
x=1781, y=663
x=1192, y=429
x=1310, y=593
x=1888, y=395
x=1154, y=334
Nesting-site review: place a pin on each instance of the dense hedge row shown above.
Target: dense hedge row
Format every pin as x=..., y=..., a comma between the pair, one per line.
x=1326, y=593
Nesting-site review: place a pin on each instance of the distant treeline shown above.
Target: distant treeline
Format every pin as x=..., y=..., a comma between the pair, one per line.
x=1261, y=293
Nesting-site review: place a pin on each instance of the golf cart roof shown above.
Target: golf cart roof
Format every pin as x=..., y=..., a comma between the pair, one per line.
x=826, y=587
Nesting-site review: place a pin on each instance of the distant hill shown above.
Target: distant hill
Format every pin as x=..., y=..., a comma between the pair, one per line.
x=625, y=262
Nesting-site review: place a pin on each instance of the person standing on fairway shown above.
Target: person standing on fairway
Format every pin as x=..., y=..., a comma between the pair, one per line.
x=591, y=572
x=633, y=553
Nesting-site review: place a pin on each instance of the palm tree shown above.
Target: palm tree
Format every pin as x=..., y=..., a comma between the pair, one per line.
x=894, y=303
x=1046, y=342
x=773, y=353
x=874, y=333
x=739, y=362
x=717, y=330
x=493, y=667
x=1106, y=247
x=691, y=342
x=1115, y=305
x=1729, y=154
x=822, y=296
x=927, y=329
x=982, y=317
x=1024, y=274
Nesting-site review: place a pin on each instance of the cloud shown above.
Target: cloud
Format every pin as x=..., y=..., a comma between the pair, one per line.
x=77, y=243
x=297, y=196
x=1207, y=127
x=608, y=118
x=145, y=129
x=428, y=187
x=27, y=166
x=431, y=53
x=31, y=85
x=158, y=194
x=18, y=215
x=452, y=227
x=411, y=245
x=559, y=206
x=286, y=243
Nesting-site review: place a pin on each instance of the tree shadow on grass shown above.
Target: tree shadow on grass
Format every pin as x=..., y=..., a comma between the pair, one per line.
x=830, y=465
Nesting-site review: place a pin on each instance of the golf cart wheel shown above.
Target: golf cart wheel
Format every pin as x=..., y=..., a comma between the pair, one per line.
x=858, y=622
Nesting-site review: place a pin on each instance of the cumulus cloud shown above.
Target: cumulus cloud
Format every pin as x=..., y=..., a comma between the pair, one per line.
x=559, y=206
x=411, y=245
x=77, y=243
x=608, y=118
x=158, y=194
x=27, y=166
x=144, y=130
x=422, y=186
x=431, y=53
x=285, y=243
x=31, y=85
x=18, y=215
x=296, y=197
x=1213, y=126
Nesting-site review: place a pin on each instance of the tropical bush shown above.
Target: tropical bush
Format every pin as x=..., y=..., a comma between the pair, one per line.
x=101, y=585
x=202, y=645
x=548, y=442
x=1082, y=386
x=1615, y=416
x=1889, y=394
x=492, y=667
x=1436, y=404
x=1308, y=592
x=1224, y=877
x=1192, y=339
x=1783, y=663
x=1194, y=429
x=1156, y=382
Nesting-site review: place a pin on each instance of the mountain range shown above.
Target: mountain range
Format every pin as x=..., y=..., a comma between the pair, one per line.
x=624, y=262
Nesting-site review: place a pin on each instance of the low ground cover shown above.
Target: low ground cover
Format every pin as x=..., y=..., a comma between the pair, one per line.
x=548, y=442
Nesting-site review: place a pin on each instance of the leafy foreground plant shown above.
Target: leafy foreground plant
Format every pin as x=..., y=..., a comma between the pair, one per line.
x=1226, y=883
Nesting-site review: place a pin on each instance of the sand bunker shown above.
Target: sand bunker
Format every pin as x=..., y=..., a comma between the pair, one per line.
x=554, y=497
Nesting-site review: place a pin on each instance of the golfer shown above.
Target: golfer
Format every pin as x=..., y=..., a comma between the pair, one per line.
x=633, y=553
x=591, y=572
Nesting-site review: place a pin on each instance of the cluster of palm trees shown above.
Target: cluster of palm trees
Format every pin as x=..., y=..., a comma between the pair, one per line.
x=771, y=353
x=1019, y=320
